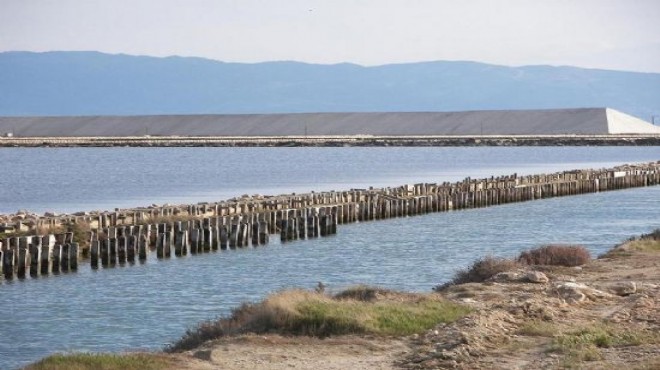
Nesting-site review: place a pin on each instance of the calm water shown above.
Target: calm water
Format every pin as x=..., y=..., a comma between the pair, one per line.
x=147, y=306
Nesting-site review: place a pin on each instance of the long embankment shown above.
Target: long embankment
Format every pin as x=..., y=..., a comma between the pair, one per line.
x=123, y=236
x=335, y=140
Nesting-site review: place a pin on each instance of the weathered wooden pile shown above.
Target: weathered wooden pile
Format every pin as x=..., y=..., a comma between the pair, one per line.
x=126, y=235
x=36, y=255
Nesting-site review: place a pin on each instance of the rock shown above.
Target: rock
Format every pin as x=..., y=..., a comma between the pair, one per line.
x=575, y=292
x=623, y=288
x=506, y=276
x=536, y=277
x=573, y=296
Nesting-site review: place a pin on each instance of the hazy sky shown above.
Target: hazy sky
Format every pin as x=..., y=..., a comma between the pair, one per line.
x=613, y=34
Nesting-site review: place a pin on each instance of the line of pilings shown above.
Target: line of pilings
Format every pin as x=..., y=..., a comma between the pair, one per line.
x=128, y=236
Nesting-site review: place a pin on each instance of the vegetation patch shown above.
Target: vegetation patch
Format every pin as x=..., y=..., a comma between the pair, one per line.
x=538, y=328
x=480, y=271
x=365, y=293
x=584, y=344
x=556, y=255
x=103, y=361
x=355, y=311
x=644, y=243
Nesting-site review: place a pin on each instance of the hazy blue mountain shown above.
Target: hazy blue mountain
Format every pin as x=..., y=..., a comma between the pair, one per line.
x=92, y=83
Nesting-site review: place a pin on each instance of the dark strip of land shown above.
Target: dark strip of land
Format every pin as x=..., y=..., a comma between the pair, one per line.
x=330, y=141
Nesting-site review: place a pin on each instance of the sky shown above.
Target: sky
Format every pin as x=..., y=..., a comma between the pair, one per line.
x=608, y=34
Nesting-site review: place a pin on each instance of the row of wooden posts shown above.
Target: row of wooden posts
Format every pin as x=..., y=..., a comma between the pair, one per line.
x=35, y=255
x=42, y=255
x=125, y=236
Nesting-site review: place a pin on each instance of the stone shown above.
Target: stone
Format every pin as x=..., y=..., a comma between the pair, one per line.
x=623, y=288
x=575, y=292
x=506, y=276
x=536, y=277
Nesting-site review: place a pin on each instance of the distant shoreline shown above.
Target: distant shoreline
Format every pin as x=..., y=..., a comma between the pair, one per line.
x=334, y=141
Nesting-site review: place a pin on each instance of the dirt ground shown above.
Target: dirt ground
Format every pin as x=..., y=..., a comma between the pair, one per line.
x=515, y=325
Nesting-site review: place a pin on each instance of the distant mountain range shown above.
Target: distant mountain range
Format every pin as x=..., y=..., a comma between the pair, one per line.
x=92, y=83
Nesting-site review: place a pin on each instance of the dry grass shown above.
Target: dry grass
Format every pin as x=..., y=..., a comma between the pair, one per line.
x=357, y=311
x=556, y=255
x=80, y=232
x=480, y=270
x=537, y=328
x=644, y=243
x=365, y=293
x=103, y=361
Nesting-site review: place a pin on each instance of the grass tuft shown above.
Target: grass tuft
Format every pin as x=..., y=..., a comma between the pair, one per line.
x=102, y=361
x=556, y=255
x=299, y=312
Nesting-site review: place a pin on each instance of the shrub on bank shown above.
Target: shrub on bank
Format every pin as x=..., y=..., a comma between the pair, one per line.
x=556, y=255
x=299, y=312
x=480, y=271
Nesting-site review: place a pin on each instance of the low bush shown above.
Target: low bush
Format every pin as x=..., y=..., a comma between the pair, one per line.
x=556, y=255
x=480, y=270
x=298, y=312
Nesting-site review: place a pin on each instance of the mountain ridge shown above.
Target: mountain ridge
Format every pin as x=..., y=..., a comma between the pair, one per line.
x=94, y=83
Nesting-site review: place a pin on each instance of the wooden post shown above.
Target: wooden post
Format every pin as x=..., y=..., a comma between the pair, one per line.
x=143, y=245
x=73, y=256
x=121, y=248
x=194, y=241
x=46, y=256
x=224, y=237
x=181, y=243
x=131, y=245
x=8, y=262
x=64, y=257
x=35, y=256
x=112, y=248
x=208, y=238
x=57, y=253
x=94, y=253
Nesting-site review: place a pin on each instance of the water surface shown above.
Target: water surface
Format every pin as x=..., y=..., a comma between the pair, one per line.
x=148, y=305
